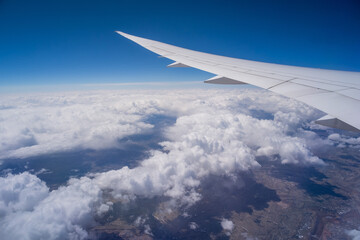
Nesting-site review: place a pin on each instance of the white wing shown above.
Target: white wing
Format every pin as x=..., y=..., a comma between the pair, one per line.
x=335, y=92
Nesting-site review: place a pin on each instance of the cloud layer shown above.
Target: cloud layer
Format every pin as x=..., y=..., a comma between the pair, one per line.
x=217, y=132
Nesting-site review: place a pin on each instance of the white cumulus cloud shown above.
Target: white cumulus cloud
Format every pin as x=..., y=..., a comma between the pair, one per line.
x=35, y=213
x=20, y=193
x=227, y=225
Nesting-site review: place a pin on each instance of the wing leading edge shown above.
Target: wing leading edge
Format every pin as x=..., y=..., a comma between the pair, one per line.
x=336, y=93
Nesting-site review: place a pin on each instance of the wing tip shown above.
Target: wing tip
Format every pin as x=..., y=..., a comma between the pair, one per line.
x=130, y=37
x=122, y=33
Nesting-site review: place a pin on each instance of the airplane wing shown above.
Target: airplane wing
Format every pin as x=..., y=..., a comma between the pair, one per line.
x=336, y=93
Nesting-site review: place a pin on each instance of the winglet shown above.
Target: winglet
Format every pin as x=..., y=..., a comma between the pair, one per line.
x=177, y=64
x=223, y=80
x=330, y=121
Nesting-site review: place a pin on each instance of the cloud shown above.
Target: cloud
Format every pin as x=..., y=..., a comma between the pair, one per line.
x=342, y=140
x=193, y=225
x=37, y=125
x=227, y=226
x=20, y=193
x=247, y=237
x=141, y=222
x=30, y=211
x=216, y=132
x=355, y=234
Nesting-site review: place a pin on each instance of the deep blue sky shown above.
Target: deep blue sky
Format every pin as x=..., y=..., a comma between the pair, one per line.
x=65, y=42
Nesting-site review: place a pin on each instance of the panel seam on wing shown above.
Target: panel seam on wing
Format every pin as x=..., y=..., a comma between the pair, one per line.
x=280, y=83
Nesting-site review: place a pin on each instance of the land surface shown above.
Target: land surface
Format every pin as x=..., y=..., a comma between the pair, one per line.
x=274, y=201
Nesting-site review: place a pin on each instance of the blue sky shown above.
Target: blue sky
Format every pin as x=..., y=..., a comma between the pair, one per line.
x=73, y=42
